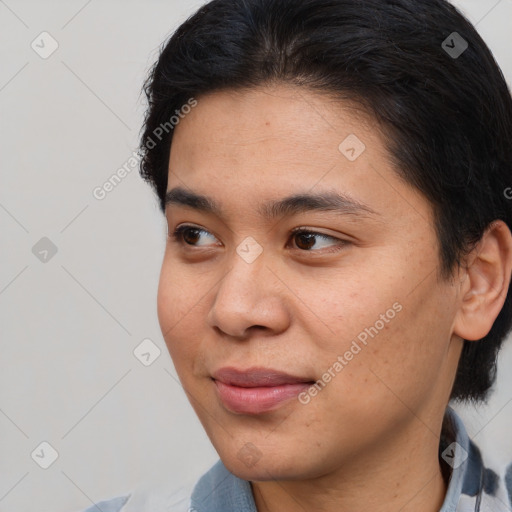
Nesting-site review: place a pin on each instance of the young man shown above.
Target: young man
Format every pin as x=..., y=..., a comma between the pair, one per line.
x=334, y=175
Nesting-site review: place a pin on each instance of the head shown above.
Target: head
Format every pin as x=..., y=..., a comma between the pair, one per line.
x=351, y=121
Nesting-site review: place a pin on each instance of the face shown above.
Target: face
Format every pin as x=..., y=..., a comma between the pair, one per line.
x=328, y=304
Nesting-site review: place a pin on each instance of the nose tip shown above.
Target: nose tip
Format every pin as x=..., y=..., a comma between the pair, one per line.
x=247, y=301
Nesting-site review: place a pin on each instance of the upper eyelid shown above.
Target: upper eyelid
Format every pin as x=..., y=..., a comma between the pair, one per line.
x=312, y=231
x=183, y=227
x=191, y=226
x=294, y=230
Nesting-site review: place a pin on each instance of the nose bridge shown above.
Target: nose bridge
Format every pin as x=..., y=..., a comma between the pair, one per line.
x=247, y=295
x=244, y=284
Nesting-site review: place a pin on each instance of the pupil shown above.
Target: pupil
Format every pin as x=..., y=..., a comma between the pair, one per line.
x=191, y=239
x=307, y=239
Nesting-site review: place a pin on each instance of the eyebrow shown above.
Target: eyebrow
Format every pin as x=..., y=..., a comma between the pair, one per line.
x=287, y=206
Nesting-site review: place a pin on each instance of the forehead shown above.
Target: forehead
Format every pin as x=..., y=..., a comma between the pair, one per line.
x=247, y=146
x=290, y=122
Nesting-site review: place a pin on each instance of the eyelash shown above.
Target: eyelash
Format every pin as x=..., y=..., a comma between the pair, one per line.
x=177, y=236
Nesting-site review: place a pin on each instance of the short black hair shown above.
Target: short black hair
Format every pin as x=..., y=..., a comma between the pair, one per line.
x=445, y=109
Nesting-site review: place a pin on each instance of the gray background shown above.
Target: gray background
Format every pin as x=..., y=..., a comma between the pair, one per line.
x=69, y=326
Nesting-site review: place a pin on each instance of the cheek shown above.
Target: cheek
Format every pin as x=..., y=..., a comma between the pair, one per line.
x=178, y=305
x=381, y=321
x=346, y=304
x=400, y=359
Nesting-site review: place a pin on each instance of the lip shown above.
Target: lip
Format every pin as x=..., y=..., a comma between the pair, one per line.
x=257, y=390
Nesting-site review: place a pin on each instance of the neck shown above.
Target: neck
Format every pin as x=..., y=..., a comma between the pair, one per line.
x=402, y=475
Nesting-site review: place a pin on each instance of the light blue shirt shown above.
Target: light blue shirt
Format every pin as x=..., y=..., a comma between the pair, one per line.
x=472, y=486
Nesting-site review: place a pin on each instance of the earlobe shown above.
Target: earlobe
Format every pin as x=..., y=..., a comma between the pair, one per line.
x=485, y=284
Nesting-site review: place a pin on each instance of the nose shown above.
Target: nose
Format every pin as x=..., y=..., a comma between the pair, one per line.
x=250, y=297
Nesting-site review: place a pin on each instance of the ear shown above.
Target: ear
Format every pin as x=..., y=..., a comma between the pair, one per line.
x=485, y=283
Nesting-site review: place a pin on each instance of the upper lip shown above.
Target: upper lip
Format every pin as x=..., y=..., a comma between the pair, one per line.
x=256, y=377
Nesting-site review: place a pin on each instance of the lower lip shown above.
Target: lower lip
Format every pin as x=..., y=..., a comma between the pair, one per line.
x=257, y=400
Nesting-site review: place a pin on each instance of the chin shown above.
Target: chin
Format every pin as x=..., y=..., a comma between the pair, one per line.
x=251, y=466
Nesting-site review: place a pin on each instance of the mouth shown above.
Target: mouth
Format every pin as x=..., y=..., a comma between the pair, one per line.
x=257, y=390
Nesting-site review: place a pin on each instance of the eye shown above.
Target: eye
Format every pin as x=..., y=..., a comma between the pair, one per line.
x=190, y=235
x=306, y=240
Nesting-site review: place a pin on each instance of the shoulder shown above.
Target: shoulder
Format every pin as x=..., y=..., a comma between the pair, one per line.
x=479, y=480
x=148, y=497
x=110, y=505
x=218, y=490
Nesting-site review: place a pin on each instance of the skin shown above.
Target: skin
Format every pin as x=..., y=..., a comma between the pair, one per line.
x=369, y=439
